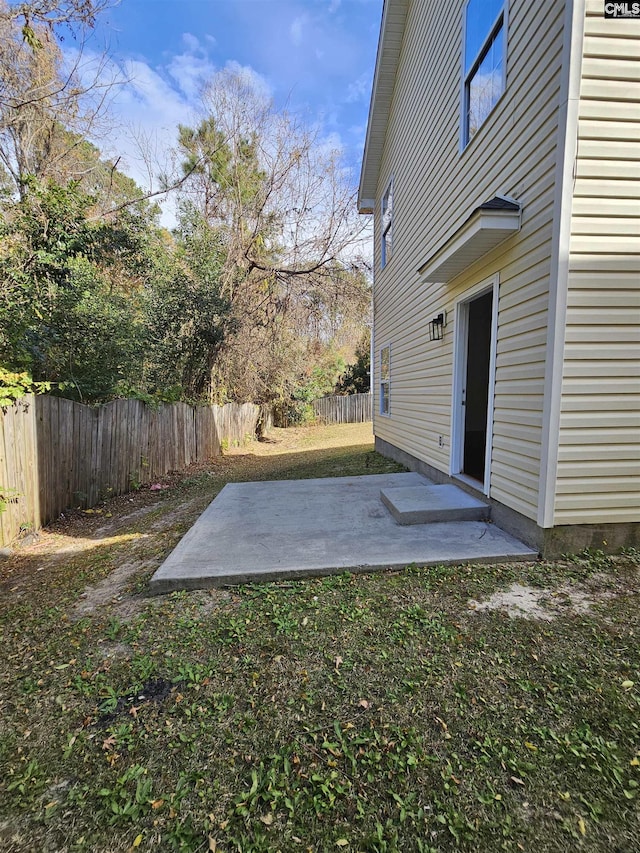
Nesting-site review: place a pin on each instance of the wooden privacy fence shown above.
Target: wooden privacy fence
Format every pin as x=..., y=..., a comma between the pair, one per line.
x=350, y=409
x=55, y=453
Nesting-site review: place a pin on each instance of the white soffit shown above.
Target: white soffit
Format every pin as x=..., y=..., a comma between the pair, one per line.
x=487, y=227
x=394, y=16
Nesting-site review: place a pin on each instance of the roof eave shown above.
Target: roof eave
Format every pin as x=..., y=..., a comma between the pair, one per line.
x=394, y=15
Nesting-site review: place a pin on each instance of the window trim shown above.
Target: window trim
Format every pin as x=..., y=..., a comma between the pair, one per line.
x=501, y=22
x=385, y=382
x=386, y=252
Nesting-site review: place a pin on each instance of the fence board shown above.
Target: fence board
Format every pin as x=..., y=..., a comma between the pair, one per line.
x=41, y=444
x=9, y=479
x=18, y=469
x=33, y=496
x=7, y=476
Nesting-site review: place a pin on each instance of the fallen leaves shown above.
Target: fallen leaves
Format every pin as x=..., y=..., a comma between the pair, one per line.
x=109, y=743
x=445, y=728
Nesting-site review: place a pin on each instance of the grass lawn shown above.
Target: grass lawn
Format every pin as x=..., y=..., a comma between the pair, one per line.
x=386, y=712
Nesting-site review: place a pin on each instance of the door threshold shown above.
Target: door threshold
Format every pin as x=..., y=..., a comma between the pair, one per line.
x=470, y=484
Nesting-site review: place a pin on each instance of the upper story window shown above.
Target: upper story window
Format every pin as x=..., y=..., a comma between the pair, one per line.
x=387, y=225
x=484, y=61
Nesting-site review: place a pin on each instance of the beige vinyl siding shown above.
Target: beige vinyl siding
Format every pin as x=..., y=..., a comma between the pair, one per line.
x=598, y=477
x=436, y=187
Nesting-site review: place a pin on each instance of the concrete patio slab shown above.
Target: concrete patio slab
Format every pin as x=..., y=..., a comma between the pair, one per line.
x=263, y=531
x=426, y=503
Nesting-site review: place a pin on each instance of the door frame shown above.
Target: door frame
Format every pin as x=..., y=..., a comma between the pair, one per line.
x=461, y=309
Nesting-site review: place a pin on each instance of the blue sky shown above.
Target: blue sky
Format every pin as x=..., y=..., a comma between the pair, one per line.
x=315, y=56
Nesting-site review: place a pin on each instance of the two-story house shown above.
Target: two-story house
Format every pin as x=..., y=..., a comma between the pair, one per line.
x=502, y=166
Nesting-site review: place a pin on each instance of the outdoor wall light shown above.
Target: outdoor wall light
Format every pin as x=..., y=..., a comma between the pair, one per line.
x=436, y=327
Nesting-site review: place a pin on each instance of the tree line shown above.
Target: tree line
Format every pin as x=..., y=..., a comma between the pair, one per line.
x=259, y=293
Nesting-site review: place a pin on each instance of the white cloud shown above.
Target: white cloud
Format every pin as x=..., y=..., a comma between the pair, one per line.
x=191, y=68
x=359, y=88
x=296, y=29
x=149, y=100
x=190, y=72
x=192, y=42
x=358, y=131
x=331, y=143
x=250, y=78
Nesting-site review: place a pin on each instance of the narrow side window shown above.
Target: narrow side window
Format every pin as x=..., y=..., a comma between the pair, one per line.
x=385, y=376
x=387, y=225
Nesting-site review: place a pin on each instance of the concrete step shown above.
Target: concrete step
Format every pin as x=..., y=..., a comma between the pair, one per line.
x=427, y=504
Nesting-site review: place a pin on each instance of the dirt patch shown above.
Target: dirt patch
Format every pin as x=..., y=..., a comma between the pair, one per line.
x=578, y=600
x=123, y=520
x=186, y=511
x=107, y=591
x=210, y=600
x=527, y=602
x=113, y=651
x=517, y=600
